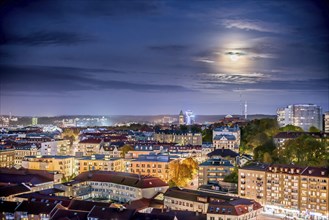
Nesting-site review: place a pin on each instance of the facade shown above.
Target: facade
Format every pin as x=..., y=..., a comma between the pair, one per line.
x=62, y=164
x=289, y=189
x=226, y=138
x=181, y=138
x=214, y=171
x=326, y=122
x=89, y=147
x=153, y=165
x=7, y=157
x=302, y=115
x=100, y=162
x=56, y=147
x=216, y=206
x=116, y=186
x=23, y=151
x=252, y=182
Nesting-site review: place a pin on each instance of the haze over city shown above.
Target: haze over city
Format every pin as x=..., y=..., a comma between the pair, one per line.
x=160, y=57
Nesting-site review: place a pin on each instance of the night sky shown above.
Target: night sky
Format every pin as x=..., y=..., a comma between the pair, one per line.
x=160, y=57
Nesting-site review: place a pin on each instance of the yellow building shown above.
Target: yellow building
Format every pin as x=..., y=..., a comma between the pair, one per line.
x=100, y=162
x=289, y=189
x=62, y=164
x=23, y=151
x=7, y=157
x=252, y=179
x=152, y=165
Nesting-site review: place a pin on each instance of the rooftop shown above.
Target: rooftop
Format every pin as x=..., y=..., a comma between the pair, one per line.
x=128, y=179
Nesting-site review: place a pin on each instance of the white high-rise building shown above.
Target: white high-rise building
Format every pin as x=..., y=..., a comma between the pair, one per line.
x=326, y=122
x=301, y=115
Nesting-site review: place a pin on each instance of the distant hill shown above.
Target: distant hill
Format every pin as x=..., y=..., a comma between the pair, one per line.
x=131, y=118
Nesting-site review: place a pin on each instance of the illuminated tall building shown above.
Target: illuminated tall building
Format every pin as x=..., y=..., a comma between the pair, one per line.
x=190, y=117
x=34, y=121
x=303, y=115
x=181, y=120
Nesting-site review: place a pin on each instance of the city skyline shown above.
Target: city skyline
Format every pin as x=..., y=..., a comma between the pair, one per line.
x=160, y=57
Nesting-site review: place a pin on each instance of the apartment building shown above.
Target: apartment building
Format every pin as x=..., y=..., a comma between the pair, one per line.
x=90, y=146
x=56, y=147
x=252, y=182
x=100, y=162
x=326, y=122
x=314, y=191
x=214, y=171
x=62, y=164
x=23, y=151
x=7, y=157
x=289, y=189
x=156, y=165
x=216, y=206
x=182, y=138
x=301, y=115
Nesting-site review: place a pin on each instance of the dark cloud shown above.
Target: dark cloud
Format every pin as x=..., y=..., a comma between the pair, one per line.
x=67, y=79
x=46, y=38
x=121, y=7
x=171, y=48
x=255, y=83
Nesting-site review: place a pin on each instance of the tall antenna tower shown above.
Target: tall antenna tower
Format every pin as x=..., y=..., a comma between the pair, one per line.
x=245, y=110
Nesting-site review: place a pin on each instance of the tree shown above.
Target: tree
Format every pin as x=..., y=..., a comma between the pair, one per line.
x=291, y=128
x=183, y=128
x=191, y=164
x=232, y=177
x=267, y=158
x=305, y=151
x=207, y=135
x=125, y=148
x=314, y=129
x=181, y=172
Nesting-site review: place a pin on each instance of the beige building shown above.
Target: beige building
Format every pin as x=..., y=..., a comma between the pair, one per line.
x=326, y=122
x=227, y=138
x=216, y=206
x=289, y=189
x=23, y=151
x=62, y=164
x=117, y=186
x=178, y=137
x=7, y=157
x=100, y=162
x=89, y=147
x=152, y=165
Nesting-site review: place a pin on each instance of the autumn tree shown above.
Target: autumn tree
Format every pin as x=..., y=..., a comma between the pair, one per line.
x=125, y=149
x=181, y=172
